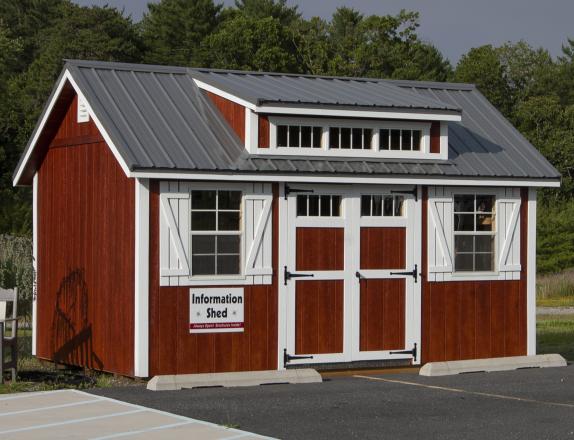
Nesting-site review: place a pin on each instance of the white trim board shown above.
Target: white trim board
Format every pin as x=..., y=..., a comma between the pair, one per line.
x=34, y=262
x=337, y=178
x=531, y=274
x=67, y=76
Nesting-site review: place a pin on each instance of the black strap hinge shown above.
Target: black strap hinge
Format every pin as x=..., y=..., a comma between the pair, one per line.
x=414, y=273
x=289, y=357
x=288, y=275
x=289, y=190
x=412, y=352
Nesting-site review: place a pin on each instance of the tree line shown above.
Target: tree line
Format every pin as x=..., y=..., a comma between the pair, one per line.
x=534, y=90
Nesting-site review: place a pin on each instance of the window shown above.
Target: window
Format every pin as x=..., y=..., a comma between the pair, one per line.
x=474, y=233
x=299, y=136
x=318, y=206
x=215, y=232
x=382, y=206
x=350, y=138
x=400, y=140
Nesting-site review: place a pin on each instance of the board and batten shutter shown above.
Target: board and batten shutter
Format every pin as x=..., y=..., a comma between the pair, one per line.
x=440, y=232
x=175, y=255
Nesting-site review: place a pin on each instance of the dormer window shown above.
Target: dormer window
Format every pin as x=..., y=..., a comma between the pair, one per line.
x=372, y=138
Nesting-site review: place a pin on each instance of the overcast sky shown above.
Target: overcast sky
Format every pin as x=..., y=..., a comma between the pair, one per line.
x=454, y=26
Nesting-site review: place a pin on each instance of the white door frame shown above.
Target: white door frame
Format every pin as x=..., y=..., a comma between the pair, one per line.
x=352, y=222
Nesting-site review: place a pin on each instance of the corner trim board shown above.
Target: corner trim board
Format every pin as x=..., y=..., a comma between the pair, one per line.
x=34, y=262
x=141, y=287
x=531, y=275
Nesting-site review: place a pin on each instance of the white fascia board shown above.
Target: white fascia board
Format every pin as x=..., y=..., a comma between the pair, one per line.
x=294, y=178
x=373, y=114
x=34, y=262
x=68, y=77
x=141, y=279
x=223, y=94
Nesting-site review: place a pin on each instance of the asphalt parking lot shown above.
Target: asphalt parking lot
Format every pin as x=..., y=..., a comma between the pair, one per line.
x=523, y=404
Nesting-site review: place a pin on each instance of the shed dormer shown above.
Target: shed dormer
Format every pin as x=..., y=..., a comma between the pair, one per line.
x=295, y=115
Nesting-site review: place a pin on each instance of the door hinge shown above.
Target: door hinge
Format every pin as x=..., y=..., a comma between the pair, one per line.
x=288, y=275
x=414, y=273
x=289, y=357
x=289, y=190
x=412, y=352
x=414, y=192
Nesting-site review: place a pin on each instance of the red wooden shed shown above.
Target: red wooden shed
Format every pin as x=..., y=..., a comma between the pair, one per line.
x=196, y=220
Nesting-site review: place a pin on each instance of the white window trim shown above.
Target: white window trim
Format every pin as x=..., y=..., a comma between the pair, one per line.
x=325, y=151
x=231, y=278
x=481, y=273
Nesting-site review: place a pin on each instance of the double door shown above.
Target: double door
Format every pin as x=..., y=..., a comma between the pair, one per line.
x=351, y=274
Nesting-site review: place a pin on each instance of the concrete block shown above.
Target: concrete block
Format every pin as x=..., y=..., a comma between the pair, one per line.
x=236, y=379
x=492, y=364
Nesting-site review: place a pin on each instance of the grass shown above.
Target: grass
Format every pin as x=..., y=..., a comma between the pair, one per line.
x=555, y=290
x=555, y=334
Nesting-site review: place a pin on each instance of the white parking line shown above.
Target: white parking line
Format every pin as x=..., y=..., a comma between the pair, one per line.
x=42, y=408
x=143, y=431
x=459, y=390
x=69, y=422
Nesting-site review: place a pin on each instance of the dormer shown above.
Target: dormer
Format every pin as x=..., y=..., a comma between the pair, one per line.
x=328, y=117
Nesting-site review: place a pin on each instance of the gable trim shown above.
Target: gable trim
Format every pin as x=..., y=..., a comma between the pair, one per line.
x=67, y=77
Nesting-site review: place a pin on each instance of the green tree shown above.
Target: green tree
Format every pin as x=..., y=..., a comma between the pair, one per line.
x=279, y=10
x=172, y=30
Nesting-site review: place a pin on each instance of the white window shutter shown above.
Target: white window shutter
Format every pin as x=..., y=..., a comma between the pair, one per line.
x=440, y=228
x=258, y=234
x=174, y=227
x=508, y=223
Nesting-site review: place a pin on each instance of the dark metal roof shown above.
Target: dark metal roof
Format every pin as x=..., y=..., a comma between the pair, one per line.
x=261, y=88
x=159, y=120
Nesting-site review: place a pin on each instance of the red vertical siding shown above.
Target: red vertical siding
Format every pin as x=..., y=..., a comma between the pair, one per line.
x=474, y=319
x=435, y=137
x=263, y=141
x=85, y=252
x=173, y=350
x=233, y=113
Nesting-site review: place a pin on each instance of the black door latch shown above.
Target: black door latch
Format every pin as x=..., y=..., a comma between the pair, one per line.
x=413, y=273
x=289, y=357
x=288, y=275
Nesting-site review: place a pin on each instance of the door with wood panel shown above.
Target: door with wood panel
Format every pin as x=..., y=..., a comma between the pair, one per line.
x=350, y=274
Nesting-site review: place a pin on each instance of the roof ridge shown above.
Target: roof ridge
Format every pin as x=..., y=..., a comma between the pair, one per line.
x=113, y=65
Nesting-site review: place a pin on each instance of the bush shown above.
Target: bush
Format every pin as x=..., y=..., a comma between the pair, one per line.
x=16, y=270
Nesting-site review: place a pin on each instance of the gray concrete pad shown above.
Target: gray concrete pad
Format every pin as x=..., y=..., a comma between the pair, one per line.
x=522, y=404
x=70, y=414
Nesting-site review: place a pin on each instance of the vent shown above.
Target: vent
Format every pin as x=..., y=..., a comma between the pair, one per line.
x=83, y=115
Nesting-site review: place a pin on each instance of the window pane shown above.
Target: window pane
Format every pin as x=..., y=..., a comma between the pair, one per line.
x=378, y=206
x=357, y=138
x=395, y=139
x=399, y=201
x=484, y=243
x=463, y=262
x=203, y=221
x=325, y=206
x=313, y=205
x=203, y=199
x=484, y=203
x=367, y=138
x=334, y=137
x=306, y=137
x=463, y=243
x=282, y=136
x=203, y=265
x=485, y=222
x=484, y=262
x=464, y=222
x=345, y=138
x=365, y=205
x=317, y=135
x=228, y=244
x=384, y=139
x=336, y=206
x=388, y=206
x=228, y=221
x=229, y=200
x=293, y=135
x=301, y=205
x=464, y=203
x=203, y=244
x=416, y=140
x=228, y=264
x=406, y=140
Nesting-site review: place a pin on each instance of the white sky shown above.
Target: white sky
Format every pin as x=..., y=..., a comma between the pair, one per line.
x=454, y=26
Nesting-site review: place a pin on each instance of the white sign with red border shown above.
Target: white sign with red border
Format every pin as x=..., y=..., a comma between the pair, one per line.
x=216, y=310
